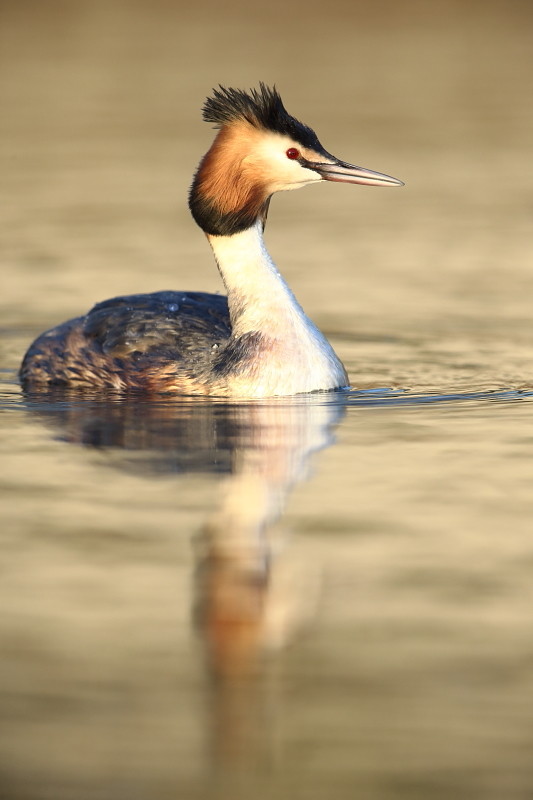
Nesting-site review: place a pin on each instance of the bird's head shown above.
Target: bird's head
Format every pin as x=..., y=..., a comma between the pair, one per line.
x=260, y=149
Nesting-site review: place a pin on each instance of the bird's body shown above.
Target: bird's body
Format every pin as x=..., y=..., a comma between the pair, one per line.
x=257, y=342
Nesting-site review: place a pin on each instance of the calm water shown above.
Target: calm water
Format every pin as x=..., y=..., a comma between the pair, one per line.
x=329, y=596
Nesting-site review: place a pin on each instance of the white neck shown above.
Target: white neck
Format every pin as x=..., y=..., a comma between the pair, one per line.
x=260, y=301
x=258, y=296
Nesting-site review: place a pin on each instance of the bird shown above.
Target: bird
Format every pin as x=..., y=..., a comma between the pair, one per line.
x=257, y=341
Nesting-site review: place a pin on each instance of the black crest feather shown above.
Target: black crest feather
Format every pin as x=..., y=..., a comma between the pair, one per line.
x=262, y=108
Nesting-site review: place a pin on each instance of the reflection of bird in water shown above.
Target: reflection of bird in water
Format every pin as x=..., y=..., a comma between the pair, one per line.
x=247, y=591
x=254, y=588
x=257, y=342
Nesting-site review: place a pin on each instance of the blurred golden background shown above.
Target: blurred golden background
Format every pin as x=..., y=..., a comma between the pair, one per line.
x=101, y=131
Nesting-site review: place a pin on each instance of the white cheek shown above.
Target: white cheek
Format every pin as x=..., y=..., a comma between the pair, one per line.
x=284, y=173
x=296, y=176
x=289, y=174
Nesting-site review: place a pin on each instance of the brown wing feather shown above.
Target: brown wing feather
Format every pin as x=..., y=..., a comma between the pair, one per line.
x=154, y=342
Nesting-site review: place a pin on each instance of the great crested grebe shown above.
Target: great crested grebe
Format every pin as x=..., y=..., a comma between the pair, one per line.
x=257, y=342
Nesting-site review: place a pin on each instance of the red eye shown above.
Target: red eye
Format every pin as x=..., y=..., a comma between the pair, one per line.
x=292, y=153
